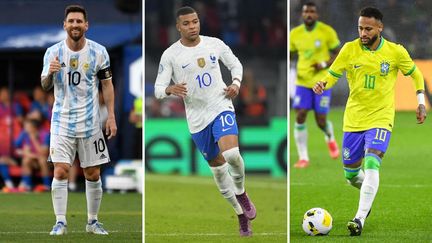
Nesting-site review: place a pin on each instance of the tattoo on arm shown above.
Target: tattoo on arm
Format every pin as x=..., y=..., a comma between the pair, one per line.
x=47, y=82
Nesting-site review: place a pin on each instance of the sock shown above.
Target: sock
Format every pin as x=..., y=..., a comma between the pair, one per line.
x=59, y=194
x=236, y=169
x=328, y=130
x=369, y=187
x=94, y=198
x=27, y=181
x=4, y=172
x=354, y=176
x=226, y=186
x=46, y=181
x=300, y=136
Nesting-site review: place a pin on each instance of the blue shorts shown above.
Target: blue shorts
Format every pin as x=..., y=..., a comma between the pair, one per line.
x=355, y=143
x=207, y=139
x=305, y=98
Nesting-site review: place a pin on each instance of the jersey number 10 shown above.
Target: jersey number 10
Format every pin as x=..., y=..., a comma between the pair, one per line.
x=74, y=78
x=204, y=80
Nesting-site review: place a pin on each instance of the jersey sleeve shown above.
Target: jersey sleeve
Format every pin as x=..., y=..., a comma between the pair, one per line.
x=333, y=41
x=292, y=47
x=104, y=60
x=405, y=64
x=164, y=76
x=338, y=67
x=230, y=61
x=49, y=55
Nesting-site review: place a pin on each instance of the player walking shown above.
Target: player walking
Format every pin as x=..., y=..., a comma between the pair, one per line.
x=75, y=67
x=371, y=64
x=317, y=45
x=192, y=63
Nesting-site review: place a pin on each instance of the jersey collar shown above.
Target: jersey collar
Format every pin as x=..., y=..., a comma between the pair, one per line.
x=365, y=48
x=313, y=28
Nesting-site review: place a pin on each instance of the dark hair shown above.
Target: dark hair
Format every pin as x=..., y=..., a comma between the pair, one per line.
x=184, y=10
x=310, y=4
x=75, y=9
x=372, y=12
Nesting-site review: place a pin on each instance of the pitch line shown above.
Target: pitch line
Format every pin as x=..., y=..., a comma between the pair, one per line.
x=381, y=185
x=69, y=231
x=212, y=234
x=209, y=181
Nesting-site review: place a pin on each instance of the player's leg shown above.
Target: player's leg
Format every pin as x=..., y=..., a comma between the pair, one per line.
x=92, y=153
x=302, y=103
x=46, y=179
x=26, y=183
x=322, y=108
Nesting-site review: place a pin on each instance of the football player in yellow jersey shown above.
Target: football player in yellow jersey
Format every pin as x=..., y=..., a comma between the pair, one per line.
x=317, y=45
x=371, y=64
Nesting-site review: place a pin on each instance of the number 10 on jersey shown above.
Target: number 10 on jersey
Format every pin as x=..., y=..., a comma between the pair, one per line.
x=204, y=80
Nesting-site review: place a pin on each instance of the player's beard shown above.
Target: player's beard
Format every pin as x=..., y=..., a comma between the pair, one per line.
x=76, y=37
x=371, y=41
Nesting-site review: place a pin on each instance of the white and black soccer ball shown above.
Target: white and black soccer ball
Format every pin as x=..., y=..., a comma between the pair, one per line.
x=317, y=221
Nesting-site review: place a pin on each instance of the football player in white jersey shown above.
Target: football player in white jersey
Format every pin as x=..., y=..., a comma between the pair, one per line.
x=192, y=64
x=75, y=67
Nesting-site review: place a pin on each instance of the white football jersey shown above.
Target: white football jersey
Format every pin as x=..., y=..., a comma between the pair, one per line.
x=76, y=106
x=198, y=67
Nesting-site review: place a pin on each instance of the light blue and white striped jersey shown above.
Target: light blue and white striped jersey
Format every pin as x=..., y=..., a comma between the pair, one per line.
x=76, y=106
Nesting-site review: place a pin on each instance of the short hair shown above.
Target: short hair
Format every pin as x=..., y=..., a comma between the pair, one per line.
x=310, y=4
x=75, y=9
x=184, y=10
x=371, y=12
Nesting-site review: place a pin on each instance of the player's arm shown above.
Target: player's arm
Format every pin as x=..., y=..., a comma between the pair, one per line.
x=233, y=64
x=418, y=79
x=108, y=95
x=163, y=80
x=47, y=79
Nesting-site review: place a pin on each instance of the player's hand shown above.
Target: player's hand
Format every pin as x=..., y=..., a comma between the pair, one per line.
x=54, y=66
x=319, y=87
x=179, y=90
x=231, y=91
x=110, y=127
x=421, y=114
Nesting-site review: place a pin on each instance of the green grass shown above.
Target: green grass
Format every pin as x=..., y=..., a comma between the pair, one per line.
x=30, y=217
x=401, y=211
x=191, y=209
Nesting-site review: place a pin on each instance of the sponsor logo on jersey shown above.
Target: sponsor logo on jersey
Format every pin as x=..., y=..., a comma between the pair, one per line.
x=201, y=62
x=73, y=62
x=213, y=58
x=184, y=66
x=63, y=64
x=86, y=66
x=385, y=68
x=103, y=156
x=317, y=43
x=357, y=66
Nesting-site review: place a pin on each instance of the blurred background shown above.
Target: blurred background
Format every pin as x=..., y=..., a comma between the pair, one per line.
x=406, y=22
x=256, y=31
x=27, y=29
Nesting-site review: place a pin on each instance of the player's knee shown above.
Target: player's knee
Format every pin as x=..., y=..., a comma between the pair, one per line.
x=301, y=116
x=61, y=172
x=372, y=161
x=350, y=173
x=232, y=156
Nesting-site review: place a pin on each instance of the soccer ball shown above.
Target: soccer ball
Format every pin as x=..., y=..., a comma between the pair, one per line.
x=317, y=221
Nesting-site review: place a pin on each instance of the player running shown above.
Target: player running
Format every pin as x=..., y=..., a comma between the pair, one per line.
x=317, y=45
x=371, y=64
x=75, y=67
x=192, y=63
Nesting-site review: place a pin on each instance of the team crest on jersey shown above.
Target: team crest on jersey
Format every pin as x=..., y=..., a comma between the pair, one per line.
x=201, y=62
x=73, y=62
x=385, y=68
x=346, y=153
x=86, y=66
x=317, y=43
x=213, y=58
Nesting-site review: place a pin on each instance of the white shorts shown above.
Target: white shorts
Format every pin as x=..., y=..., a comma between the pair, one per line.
x=91, y=151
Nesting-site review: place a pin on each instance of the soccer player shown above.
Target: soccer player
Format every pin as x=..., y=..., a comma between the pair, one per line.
x=317, y=45
x=371, y=64
x=192, y=63
x=75, y=67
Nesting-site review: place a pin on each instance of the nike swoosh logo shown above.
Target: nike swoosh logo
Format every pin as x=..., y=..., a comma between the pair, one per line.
x=373, y=142
x=357, y=66
x=184, y=66
x=225, y=129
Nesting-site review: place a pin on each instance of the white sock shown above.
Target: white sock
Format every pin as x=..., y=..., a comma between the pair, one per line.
x=301, y=136
x=59, y=195
x=357, y=180
x=329, y=134
x=9, y=184
x=367, y=193
x=226, y=186
x=236, y=170
x=94, y=198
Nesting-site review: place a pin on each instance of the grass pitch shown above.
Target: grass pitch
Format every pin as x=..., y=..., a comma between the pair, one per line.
x=401, y=211
x=191, y=209
x=30, y=217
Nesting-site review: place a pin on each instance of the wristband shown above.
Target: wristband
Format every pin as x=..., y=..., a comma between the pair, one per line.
x=236, y=82
x=421, y=99
x=323, y=64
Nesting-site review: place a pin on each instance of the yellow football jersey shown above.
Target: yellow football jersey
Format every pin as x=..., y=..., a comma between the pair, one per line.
x=371, y=79
x=312, y=47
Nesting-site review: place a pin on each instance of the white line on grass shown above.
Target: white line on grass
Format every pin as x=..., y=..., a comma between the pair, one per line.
x=211, y=234
x=381, y=185
x=73, y=231
x=209, y=181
